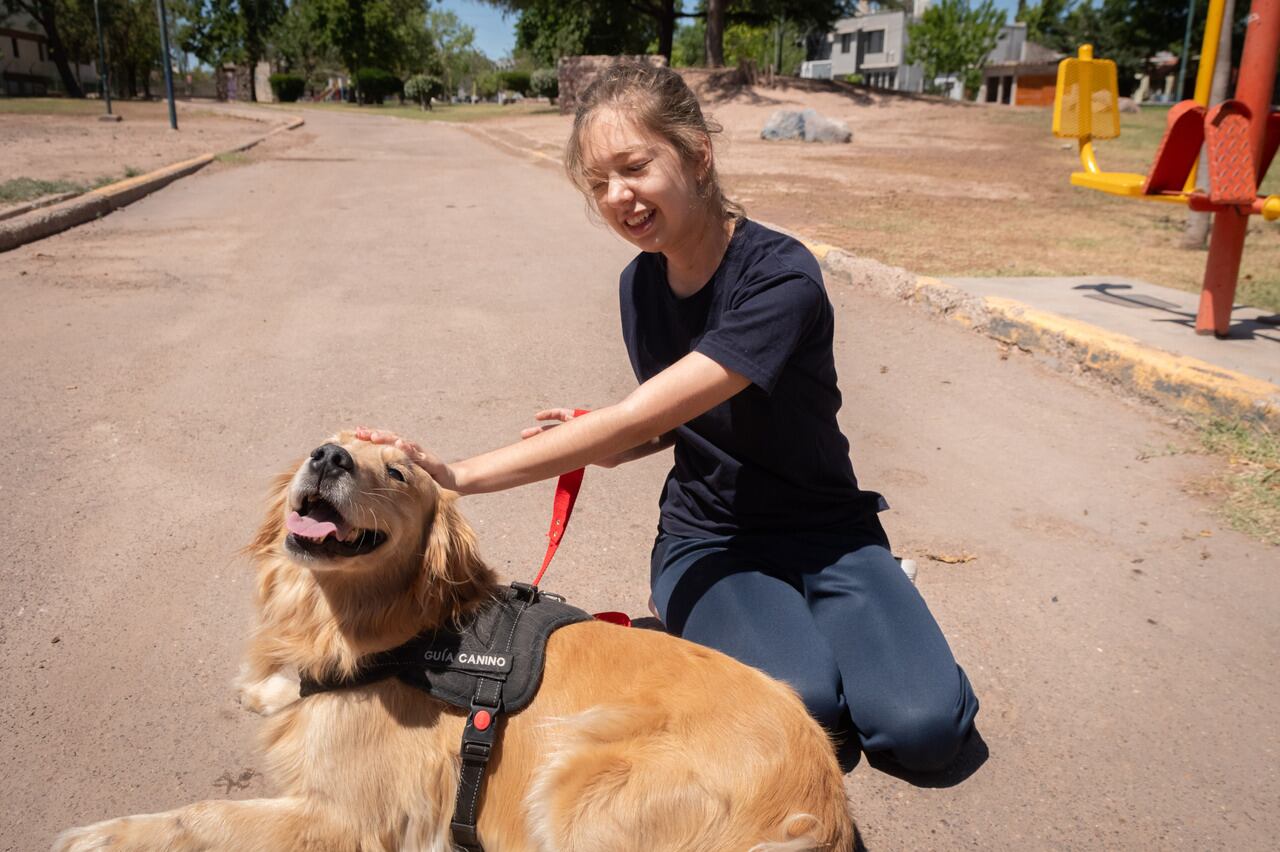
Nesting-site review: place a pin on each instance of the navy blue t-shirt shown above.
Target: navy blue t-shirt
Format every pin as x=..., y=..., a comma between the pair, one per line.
x=771, y=458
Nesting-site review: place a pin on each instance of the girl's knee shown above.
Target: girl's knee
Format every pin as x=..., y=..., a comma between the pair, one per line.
x=929, y=742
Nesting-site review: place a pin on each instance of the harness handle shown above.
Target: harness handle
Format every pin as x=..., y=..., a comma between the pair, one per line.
x=567, y=487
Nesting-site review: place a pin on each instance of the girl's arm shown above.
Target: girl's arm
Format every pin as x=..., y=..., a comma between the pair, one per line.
x=688, y=388
x=564, y=415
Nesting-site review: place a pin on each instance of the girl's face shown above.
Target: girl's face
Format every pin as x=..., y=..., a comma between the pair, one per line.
x=639, y=183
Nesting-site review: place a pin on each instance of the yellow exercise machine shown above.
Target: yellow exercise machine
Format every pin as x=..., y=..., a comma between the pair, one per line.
x=1240, y=137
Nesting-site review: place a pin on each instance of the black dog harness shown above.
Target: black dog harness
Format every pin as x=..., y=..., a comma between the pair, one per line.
x=492, y=666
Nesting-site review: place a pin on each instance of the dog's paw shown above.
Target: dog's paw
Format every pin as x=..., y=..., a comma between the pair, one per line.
x=268, y=695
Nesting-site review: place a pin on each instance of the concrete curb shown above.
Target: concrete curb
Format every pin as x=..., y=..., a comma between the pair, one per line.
x=96, y=203
x=1182, y=384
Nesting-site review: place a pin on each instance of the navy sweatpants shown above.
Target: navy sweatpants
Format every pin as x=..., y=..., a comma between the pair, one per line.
x=834, y=616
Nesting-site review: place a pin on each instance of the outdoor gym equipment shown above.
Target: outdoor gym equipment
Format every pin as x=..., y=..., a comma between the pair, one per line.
x=1240, y=137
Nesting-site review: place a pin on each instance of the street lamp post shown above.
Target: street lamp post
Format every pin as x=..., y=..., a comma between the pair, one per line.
x=104, y=81
x=167, y=62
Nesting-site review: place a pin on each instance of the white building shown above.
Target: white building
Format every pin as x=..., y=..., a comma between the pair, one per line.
x=872, y=44
x=25, y=66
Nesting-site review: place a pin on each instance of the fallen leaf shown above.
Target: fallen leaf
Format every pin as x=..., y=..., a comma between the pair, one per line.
x=951, y=558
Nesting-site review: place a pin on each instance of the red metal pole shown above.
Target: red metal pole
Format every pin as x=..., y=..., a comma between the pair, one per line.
x=1226, y=245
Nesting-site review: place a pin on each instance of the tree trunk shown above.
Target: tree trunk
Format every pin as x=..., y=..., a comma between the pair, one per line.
x=666, y=28
x=1196, y=235
x=57, y=50
x=714, y=41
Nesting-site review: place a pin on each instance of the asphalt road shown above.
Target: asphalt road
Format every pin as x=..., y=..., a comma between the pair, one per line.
x=158, y=366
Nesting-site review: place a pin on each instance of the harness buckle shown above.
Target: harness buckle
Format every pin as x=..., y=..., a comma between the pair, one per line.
x=524, y=591
x=476, y=752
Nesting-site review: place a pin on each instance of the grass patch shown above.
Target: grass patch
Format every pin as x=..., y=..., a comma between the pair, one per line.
x=26, y=189
x=1251, y=482
x=23, y=189
x=232, y=158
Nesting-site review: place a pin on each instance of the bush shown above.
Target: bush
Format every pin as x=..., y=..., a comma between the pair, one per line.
x=487, y=85
x=514, y=81
x=855, y=79
x=374, y=85
x=287, y=87
x=422, y=88
x=545, y=84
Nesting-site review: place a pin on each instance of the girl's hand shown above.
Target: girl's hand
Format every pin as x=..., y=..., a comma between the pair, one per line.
x=424, y=459
x=559, y=415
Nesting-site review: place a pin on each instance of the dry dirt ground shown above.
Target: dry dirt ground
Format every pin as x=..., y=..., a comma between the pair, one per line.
x=943, y=188
x=158, y=366
x=65, y=141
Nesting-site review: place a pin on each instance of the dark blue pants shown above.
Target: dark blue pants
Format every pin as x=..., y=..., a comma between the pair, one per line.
x=834, y=616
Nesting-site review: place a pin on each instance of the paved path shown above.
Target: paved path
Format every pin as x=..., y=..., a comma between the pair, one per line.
x=160, y=365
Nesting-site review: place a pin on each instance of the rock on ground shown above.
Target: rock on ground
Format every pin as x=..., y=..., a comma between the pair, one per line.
x=809, y=125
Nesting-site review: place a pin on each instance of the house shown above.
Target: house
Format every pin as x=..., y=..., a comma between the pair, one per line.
x=873, y=45
x=25, y=66
x=1019, y=72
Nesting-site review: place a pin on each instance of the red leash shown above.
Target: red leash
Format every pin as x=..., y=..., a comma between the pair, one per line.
x=567, y=488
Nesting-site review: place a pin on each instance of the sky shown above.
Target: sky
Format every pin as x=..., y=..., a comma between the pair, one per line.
x=495, y=35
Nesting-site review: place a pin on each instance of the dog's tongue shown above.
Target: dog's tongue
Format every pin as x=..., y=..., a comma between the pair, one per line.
x=317, y=525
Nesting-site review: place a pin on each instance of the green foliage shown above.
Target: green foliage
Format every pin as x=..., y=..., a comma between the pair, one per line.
x=287, y=87
x=422, y=88
x=299, y=46
x=954, y=37
x=374, y=85
x=688, y=49
x=1127, y=32
x=390, y=34
x=460, y=61
x=549, y=29
x=487, y=84
x=545, y=83
x=853, y=79
x=514, y=81
x=757, y=43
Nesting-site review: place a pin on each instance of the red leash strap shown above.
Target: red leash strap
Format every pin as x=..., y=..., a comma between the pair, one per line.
x=567, y=487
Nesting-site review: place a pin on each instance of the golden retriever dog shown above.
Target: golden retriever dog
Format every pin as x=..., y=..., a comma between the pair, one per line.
x=635, y=740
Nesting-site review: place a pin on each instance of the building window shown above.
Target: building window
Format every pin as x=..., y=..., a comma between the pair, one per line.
x=43, y=56
x=845, y=40
x=13, y=40
x=875, y=42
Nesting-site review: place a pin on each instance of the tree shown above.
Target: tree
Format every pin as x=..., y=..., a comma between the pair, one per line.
x=48, y=14
x=389, y=34
x=422, y=88
x=460, y=61
x=954, y=37
x=548, y=30
x=259, y=19
x=300, y=47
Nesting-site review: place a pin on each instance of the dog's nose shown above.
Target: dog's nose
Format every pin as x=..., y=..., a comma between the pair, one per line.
x=331, y=460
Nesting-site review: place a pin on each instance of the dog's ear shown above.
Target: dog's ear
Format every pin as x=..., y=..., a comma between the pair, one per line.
x=272, y=528
x=452, y=569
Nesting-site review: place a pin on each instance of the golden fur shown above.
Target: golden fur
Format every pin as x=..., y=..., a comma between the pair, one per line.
x=636, y=739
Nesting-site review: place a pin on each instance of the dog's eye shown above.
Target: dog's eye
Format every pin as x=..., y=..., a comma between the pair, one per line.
x=394, y=473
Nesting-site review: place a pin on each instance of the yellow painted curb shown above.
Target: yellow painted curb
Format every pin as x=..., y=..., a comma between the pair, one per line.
x=1192, y=384
x=124, y=187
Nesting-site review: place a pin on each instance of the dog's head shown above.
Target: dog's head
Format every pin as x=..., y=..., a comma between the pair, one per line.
x=359, y=514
